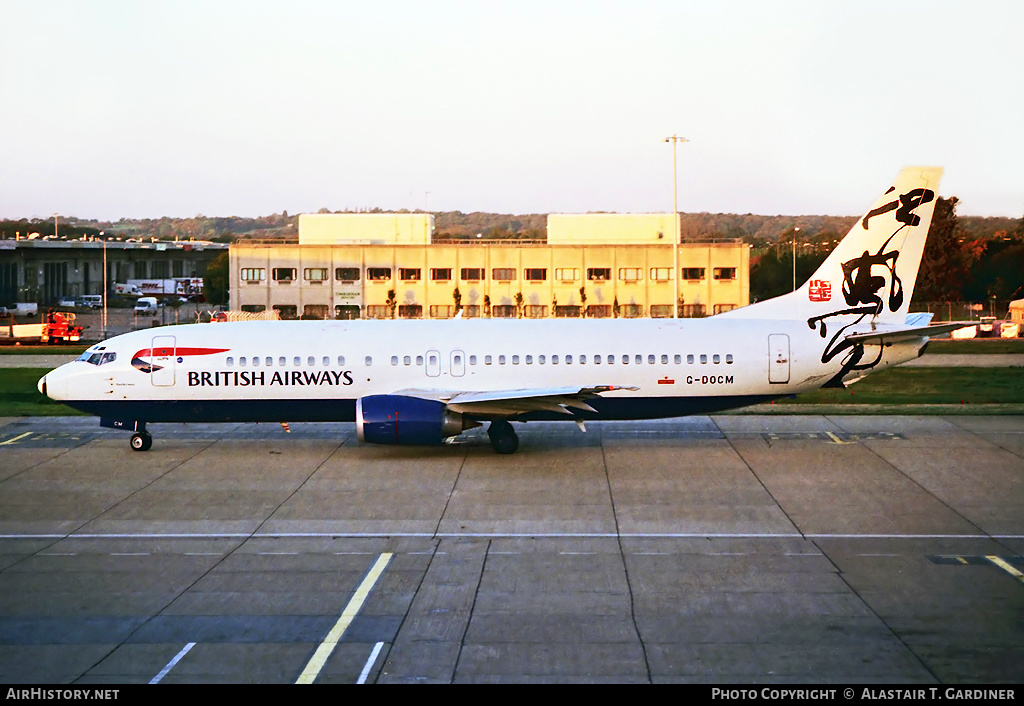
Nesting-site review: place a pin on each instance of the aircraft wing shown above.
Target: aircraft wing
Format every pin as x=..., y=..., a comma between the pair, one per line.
x=892, y=334
x=507, y=403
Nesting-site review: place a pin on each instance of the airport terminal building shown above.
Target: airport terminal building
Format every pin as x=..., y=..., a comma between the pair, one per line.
x=380, y=266
x=47, y=270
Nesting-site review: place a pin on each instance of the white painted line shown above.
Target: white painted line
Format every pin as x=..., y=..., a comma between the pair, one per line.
x=1006, y=567
x=327, y=647
x=369, y=663
x=170, y=665
x=517, y=535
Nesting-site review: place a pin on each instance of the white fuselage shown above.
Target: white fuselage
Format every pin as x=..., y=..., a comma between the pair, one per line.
x=273, y=370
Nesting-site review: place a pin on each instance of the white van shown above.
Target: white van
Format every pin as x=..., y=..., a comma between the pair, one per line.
x=145, y=306
x=92, y=301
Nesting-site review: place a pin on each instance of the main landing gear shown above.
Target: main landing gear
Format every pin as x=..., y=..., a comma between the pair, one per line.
x=141, y=441
x=503, y=437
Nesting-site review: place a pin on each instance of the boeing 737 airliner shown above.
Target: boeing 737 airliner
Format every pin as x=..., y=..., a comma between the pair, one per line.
x=421, y=382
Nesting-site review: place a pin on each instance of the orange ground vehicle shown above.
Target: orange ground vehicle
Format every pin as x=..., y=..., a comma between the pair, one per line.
x=60, y=328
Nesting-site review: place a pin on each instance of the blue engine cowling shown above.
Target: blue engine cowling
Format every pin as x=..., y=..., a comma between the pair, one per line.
x=396, y=419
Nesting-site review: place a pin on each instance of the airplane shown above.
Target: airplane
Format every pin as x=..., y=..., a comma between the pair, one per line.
x=424, y=382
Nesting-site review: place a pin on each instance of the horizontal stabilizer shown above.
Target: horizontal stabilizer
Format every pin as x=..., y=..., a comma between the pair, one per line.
x=889, y=334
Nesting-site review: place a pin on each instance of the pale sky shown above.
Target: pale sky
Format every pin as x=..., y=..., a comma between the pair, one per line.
x=143, y=109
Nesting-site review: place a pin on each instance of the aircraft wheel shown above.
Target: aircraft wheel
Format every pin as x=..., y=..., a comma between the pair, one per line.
x=503, y=437
x=141, y=442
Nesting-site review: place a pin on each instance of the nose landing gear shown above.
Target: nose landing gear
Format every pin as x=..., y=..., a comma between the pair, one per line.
x=141, y=441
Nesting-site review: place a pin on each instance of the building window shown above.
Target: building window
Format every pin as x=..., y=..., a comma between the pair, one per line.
x=692, y=311
x=254, y=308
x=721, y=308
x=409, y=274
x=346, y=274
x=253, y=274
x=503, y=274
x=630, y=274
x=503, y=311
x=283, y=274
x=346, y=312
x=693, y=273
x=599, y=311
x=378, y=311
x=378, y=274
x=535, y=311
x=315, y=311
x=140, y=269
x=178, y=268
x=410, y=311
x=314, y=274
x=632, y=311
x=471, y=311
x=287, y=312
x=472, y=274
x=442, y=311
x=661, y=274
x=567, y=274
x=725, y=273
x=440, y=274
x=159, y=269
x=599, y=274
x=567, y=311
x=535, y=274
x=661, y=311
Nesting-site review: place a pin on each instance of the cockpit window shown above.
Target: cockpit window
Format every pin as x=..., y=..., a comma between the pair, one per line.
x=98, y=357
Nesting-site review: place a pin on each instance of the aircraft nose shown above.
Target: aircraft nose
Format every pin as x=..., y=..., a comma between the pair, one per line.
x=54, y=385
x=41, y=386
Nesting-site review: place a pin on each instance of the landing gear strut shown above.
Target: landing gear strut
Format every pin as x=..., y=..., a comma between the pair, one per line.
x=141, y=441
x=503, y=437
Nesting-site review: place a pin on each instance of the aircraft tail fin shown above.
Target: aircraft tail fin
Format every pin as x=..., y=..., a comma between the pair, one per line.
x=872, y=271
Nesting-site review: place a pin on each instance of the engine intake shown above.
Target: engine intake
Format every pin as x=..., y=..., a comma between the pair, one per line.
x=396, y=419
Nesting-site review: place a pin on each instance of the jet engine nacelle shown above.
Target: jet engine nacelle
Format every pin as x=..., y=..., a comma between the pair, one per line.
x=396, y=419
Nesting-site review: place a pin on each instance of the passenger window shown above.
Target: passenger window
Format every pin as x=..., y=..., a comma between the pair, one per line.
x=311, y=361
x=368, y=360
x=625, y=360
x=678, y=359
x=568, y=359
x=255, y=361
x=689, y=359
x=472, y=360
x=541, y=359
x=297, y=361
x=515, y=360
x=597, y=359
x=407, y=360
x=703, y=359
x=638, y=360
x=487, y=360
x=650, y=359
x=728, y=358
x=501, y=360
x=229, y=362
x=419, y=360
x=716, y=359
x=341, y=360
x=327, y=361
x=282, y=361
x=529, y=360
x=611, y=359
x=269, y=361
x=664, y=360
x=394, y=360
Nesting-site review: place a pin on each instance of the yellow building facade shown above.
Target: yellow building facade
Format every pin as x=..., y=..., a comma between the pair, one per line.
x=568, y=278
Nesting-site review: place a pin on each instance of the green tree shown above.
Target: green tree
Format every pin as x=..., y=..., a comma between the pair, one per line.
x=215, y=281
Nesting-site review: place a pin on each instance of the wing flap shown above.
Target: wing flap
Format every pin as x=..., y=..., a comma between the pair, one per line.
x=509, y=403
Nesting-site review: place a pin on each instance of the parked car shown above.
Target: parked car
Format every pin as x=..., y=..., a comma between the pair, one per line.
x=68, y=303
x=92, y=301
x=146, y=306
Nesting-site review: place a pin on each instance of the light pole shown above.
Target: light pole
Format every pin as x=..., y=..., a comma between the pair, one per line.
x=675, y=235
x=103, y=325
x=795, y=231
